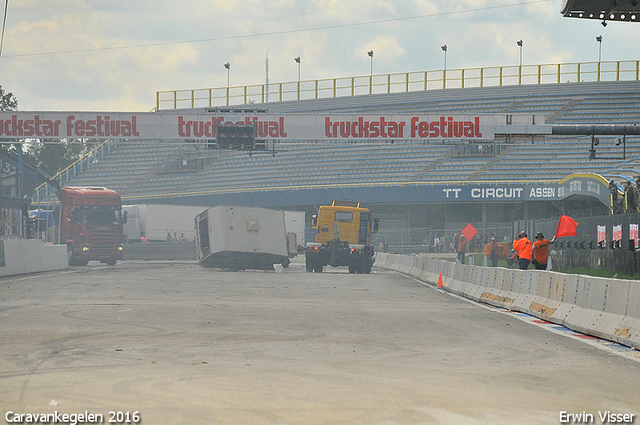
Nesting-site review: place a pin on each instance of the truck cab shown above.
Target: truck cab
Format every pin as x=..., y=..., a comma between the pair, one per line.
x=91, y=222
x=343, y=231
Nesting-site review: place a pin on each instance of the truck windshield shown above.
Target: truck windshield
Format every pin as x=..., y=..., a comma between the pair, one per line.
x=101, y=216
x=344, y=216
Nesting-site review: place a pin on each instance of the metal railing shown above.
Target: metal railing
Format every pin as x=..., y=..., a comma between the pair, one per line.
x=44, y=190
x=400, y=83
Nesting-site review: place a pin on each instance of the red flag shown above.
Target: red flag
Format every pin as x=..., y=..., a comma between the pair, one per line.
x=566, y=227
x=469, y=231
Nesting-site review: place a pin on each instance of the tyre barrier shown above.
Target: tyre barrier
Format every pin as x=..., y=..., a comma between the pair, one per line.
x=604, y=308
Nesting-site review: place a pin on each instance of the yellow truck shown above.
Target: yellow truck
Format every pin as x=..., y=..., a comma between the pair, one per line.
x=343, y=238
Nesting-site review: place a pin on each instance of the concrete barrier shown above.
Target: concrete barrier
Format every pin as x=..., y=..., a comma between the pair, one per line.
x=21, y=256
x=483, y=277
x=160, y=251
x=606, y=308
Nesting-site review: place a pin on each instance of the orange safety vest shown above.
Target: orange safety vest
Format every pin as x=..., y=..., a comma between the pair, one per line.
x=524, y=248
x=491, y=246
x=542, y=250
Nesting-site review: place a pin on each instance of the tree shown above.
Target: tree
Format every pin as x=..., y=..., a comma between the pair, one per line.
x=53, y=156
x=50, y=156
x=8, y=101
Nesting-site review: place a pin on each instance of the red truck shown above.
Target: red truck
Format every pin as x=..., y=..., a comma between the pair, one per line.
x=91, y=224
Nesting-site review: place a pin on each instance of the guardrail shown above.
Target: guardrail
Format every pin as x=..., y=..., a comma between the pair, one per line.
x=400, y=82
x=605, y=308
x=45, y=189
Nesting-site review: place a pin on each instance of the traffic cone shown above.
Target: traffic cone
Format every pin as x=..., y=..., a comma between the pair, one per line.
x=440, y=283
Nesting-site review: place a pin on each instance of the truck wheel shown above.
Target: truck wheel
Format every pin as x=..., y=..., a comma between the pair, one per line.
x=70, y=256
x=367, y=268
x=73, y=261
x=352, y=268
x=318, y=268
x=111, y=262
x=309, y=266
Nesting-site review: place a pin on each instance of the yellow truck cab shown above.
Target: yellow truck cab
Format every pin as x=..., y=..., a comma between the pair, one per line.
x=343, y=232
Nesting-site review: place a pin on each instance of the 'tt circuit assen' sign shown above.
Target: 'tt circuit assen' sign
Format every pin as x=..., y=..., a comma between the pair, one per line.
x=99, y=125
x=576, y=184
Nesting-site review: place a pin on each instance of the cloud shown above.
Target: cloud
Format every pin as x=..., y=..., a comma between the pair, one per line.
x=387, y=50
x=116, y=54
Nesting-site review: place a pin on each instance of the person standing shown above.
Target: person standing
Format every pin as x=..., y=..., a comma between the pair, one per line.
x=541, y=251
x=613, y=191
x=630, y=198
x=525, y=250
x=636, y=192
x=462, y=248
x=491, y=251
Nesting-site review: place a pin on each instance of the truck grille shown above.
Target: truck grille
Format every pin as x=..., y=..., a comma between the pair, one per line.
x=104, y=240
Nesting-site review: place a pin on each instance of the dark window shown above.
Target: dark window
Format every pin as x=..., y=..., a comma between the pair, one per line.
x=344, y=216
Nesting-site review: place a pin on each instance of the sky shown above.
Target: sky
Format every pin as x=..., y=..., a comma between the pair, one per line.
x=114, y=55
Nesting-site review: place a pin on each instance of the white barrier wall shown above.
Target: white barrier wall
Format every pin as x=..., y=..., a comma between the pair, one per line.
x=606, y=308
x=31, y=255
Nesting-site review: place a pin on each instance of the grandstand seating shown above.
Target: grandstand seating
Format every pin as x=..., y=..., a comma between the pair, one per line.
x=139, y=169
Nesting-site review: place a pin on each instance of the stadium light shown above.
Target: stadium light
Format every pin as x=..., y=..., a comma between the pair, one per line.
x=298, y=62
x=520, y=43
x=622, y=141
x=228, y=66
x=594, y=142
x=444, y=49
x=444, y=71
x=370, y=53
x=599, y=40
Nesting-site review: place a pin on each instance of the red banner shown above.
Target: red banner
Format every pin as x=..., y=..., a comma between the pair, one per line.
x=179, y=126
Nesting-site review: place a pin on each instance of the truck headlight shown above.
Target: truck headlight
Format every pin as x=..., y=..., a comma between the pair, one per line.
x=85, y=249
x=120, y=249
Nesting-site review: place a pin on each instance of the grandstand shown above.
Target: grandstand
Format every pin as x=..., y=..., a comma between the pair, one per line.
x=404, y=179
x=148, y=170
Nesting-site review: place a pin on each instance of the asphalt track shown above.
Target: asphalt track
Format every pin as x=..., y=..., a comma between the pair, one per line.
x=184, y=345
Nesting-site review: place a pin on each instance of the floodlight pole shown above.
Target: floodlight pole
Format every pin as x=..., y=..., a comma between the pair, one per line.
x=444, y=72
x=227, y=66
x=298, y=62
x=520, y=43
x=370, y=53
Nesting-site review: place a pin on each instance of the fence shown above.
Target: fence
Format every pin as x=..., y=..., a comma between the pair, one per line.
x=421, y=240
x=582, y=251
x=400, y=83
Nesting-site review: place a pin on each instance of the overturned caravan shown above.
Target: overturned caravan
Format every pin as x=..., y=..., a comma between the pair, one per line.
x=240, y=238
